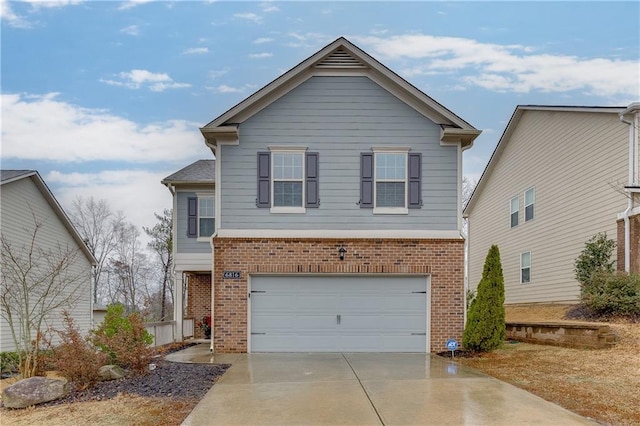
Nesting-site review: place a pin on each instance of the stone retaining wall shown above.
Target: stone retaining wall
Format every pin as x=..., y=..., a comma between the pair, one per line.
x=575, y=335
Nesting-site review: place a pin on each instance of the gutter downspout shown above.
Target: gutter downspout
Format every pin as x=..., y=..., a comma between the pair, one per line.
x=213, y=287
x=213, y=149
x=633, y=154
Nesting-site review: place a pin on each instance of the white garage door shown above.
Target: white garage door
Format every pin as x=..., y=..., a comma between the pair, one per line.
x=338, y=314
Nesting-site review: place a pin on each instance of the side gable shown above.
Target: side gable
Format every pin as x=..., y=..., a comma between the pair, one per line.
x=506, y=136
x=339, y=58
x=9, y=176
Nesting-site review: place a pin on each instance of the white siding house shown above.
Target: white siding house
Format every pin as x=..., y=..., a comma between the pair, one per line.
x=556, y=178
x=24, y=201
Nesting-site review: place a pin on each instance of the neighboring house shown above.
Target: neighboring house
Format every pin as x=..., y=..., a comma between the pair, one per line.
x=23, y=197
x=193, y=190
x=337, y=213
x=556, y=178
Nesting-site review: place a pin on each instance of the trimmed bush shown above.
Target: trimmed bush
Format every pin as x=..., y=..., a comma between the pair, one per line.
x=612, y=294
x=76, y=358
x=9, y=362
x=485, y=328
x=595, y=258
x=124, y=339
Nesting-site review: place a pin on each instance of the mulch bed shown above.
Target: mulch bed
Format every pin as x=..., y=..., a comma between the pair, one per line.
x=168, y=379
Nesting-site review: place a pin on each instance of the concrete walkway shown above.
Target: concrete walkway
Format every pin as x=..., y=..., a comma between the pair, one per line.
x=362, y=389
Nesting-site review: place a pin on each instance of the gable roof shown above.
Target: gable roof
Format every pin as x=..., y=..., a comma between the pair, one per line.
x=8, y=176
x=199, y=172
x=508, y=131
x=340, y=56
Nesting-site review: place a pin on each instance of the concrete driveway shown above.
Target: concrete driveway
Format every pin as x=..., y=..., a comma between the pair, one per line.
x=362, y=389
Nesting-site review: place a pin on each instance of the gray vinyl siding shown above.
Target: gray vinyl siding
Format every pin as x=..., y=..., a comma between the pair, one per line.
x=18, y=200
x=183, y=243
x=577, y=162
x=339, y=117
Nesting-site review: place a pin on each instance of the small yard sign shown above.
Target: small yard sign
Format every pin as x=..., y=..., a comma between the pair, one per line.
x=452, y=345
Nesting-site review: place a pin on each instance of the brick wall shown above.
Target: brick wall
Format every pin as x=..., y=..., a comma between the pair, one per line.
x=442, y=259
x=198, y=300
x=634, y=223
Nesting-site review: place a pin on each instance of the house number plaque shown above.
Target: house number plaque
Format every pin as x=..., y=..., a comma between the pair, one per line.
x=231, y=274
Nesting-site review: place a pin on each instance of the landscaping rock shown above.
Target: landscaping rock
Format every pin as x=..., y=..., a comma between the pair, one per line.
x=33, y=391
x=112, y=372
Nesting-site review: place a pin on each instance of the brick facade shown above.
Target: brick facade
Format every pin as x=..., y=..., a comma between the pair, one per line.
x=442, y=259
x=198, y=300
x=634, y=223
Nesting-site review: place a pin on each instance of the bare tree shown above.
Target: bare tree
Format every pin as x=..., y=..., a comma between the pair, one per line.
x=162, y=246
x=468, y=186
x=95, y=222
x=129, y=270
x=36, y=283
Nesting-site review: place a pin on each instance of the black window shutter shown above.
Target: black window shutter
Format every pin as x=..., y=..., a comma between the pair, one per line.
x=264, y=180
x=366, y=180
x=415, y=181
x=192, y=214
x=312, y=194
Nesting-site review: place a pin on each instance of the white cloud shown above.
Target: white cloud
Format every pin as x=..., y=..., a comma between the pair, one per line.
x=223, y=88
x=508, y=68
x=77, y=134
x=10, y=17
x=50, y=4
x=14, y=20
x=253, y=17
x=136, y=79
x=269, y=7
x=262, y=40
x=308, y=40
x=260, y=55
x=196, y=51
x=218, y=73
x=132, y=3
x=133, y=30
x=122, y=189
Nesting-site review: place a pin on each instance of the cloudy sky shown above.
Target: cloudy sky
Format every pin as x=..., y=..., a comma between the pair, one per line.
x=105, y=98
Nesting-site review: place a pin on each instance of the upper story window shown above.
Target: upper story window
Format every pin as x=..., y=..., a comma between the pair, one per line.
x=514, y=211
x=201, y=217
x=288, y=180
x=206, y=217
x=390, y=180
x=525, y=267
x=529, y=201
x=288, y=172
x=390, y=177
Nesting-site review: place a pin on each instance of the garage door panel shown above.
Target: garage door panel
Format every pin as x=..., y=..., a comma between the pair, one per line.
x=302, y=343
x=359, y=343
x=294, y=323
x=411, y=323
x=338, y=313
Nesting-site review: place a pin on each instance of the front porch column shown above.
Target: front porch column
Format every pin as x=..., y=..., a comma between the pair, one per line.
x=178, y=306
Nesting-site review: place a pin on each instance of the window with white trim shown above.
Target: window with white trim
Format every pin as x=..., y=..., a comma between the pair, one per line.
x=525, y=267
x=206, y=217
x=529, y=201
x=288, y=179
x=514, y=211
x=390, y=180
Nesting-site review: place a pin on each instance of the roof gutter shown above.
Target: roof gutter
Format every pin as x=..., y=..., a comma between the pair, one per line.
x=222, y=135
x=464, y=137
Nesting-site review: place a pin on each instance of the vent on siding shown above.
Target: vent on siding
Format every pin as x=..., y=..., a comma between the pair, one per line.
x=340, y=58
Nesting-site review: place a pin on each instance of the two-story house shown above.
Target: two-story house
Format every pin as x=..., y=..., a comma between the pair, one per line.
x=193, y=189
x=337, y=209
x=44, y=251
x=559, y=175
